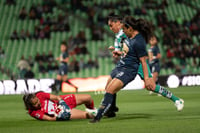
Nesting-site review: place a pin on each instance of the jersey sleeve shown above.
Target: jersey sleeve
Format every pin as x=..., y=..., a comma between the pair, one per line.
x=43, y=95
x=158, y=50
x=119, y=38
x=38, y=114
x=117, y=45
x=65, y=55
x=141, y=49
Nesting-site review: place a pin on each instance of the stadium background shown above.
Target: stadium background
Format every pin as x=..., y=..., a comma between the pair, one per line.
x=81, y=16
x=139, y=112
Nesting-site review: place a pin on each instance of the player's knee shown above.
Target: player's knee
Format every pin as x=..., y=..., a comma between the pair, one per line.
x=88, y=97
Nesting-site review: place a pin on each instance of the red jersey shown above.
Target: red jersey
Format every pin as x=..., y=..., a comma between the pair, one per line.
x=48, y=106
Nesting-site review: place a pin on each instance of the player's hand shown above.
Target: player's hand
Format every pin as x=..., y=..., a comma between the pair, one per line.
x=116, y=54
x=111, y=48
x=58, y=58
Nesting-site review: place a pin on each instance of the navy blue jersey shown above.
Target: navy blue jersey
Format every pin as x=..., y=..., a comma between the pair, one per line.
x=155, y=50
x=63, y=56
x=63, y=69
x=133, y=49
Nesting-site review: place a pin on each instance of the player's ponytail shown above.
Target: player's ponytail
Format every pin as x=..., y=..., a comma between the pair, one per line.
x=141, y=25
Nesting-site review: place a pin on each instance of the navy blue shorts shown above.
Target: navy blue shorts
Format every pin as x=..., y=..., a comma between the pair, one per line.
x=63, y=69
x=123, y=74
x=155, y=67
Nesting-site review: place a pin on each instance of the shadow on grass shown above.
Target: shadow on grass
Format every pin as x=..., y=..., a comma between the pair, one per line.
x=133, y=116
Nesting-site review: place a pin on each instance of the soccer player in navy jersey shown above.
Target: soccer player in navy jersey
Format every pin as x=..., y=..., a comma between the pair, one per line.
x=115, y=24
x=139, y=32
x=63, y=68
x=154, y=56
x=45, y=106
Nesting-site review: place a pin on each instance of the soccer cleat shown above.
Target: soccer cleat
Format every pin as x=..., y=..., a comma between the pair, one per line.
x=159, y=95
x=110, y=114
x=150, y=92
x=115, y=109
x=179, y=104
x=92, y=112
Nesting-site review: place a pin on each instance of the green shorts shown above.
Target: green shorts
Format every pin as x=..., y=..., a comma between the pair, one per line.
x=140, y=71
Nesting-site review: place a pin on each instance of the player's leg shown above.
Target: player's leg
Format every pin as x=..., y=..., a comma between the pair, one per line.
x=162, y=90
x=179, y=103
x=155, y=71
x=59, y=77
x=84, y=99
x=79, y=114
x=155, y=76
x=63, y=72
x=67, y=81
x=112, y=88
x=58, y=83
x=120, y=78
x=65, y=78
x=113, y=108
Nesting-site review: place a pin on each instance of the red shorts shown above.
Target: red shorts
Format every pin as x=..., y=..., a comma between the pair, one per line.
x=70, y=100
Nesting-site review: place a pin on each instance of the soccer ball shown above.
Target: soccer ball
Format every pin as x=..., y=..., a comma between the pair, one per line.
x=59, y=110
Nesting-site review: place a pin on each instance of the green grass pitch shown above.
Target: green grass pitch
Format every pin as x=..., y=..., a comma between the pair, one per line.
x=139, y=113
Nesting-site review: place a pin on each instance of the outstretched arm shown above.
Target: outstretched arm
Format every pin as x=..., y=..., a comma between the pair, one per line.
x=48, y=118
x=55, y=97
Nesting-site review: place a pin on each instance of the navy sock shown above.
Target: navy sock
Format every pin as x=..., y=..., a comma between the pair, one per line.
x=105, y=105
x=113, y=102
x=58, y=84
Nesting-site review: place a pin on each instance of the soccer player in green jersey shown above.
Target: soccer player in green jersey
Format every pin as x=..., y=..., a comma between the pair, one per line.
x=132, y=62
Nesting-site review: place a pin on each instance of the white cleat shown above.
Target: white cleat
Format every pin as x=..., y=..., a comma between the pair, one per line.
x=92, y=112
x=150, y=92
x=159, y=95
x=179, y=104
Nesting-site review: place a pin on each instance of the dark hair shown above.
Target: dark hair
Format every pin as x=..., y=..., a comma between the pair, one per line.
x=27, y=101
x=141, y=25
x=64, y=43
x=113, y=17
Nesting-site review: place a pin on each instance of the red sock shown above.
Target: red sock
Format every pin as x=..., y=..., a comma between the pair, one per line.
x=90, y=106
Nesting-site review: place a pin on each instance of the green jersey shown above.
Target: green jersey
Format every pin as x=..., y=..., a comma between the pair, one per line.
x=119, y=38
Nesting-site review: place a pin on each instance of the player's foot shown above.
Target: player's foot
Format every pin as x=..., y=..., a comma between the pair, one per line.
x=159, y=95
x=92, y=112
x=94, y=121
x=179, y=104
x=115, y=109
x=110, y=114
x=150, y=92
